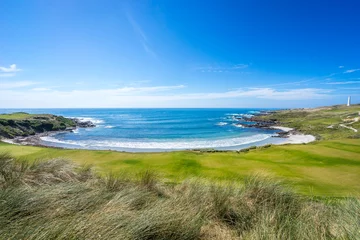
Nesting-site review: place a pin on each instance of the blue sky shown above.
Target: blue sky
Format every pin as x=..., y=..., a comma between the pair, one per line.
x=178, y=53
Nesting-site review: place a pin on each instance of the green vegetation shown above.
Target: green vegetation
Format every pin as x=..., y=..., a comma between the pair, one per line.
x=19, y=116
x=323, y=168
x=202, y=194
x=24, y=124
x=325, y=122
x=59, y=200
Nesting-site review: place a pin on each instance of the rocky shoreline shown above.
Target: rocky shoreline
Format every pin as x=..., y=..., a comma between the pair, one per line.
x=83, y=124
x=255, y=122
x=29, y=129
x=291, y=135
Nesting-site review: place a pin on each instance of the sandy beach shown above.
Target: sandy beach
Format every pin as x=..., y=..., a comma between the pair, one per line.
x=293, y=137
x=299, y=138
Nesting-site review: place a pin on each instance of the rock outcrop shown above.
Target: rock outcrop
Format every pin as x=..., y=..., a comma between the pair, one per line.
x=23, y=124
x=83, y=124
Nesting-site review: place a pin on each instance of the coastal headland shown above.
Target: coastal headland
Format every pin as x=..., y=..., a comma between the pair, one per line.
x=25, y=128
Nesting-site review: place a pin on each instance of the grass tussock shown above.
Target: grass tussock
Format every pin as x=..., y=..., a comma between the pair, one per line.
x=57, y=200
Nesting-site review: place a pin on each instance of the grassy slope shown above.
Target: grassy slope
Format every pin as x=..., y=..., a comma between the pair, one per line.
x=323, y=168
x=317, y=121
x=327, y=167
x=57, y=200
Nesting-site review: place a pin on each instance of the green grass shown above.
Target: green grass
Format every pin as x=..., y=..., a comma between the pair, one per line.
x=21, y=116
x=189, y=194
x=59, y=200
x=323, y=168
x=316, y=121
x=329, y=167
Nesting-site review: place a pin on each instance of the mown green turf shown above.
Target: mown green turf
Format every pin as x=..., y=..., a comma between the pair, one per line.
x=326, y=168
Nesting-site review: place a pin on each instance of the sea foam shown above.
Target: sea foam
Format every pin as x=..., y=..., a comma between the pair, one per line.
x=93, y=120
x=171, y=144
x=238, y=125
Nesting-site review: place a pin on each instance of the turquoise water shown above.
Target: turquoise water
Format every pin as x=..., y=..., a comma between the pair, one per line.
x=158, y=129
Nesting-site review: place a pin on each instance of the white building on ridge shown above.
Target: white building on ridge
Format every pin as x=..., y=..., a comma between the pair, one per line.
x=349, y=101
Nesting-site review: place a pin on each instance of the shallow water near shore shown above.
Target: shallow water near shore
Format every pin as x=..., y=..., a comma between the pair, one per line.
x=149, y=130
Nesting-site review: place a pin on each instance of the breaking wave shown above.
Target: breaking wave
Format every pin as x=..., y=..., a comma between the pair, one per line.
x=180, y=144
x=93, y=120
x=76, y=130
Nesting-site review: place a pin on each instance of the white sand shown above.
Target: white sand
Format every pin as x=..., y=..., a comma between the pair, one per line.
x=299, y=138
x=295, y=138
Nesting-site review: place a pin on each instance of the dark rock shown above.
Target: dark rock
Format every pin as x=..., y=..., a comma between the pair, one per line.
x=282, y=134
x=83, y=124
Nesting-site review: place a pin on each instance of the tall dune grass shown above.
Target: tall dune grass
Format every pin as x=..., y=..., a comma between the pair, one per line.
x=58, y=200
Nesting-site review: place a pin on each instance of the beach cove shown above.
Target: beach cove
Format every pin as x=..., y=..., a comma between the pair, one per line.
x=153, y=130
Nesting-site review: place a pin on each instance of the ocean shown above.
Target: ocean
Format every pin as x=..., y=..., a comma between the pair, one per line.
x=149, y=130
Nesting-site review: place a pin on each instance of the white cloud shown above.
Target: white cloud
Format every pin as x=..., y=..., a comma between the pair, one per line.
x=41, y=89
x=346, y=82
x=7, y=74
x=158, y=96
x=10, y=69
x=351, y=88
x=240, y=66
x=136, y=90
x=341, y=66
x=352, y=70
x=222, y=68
x=263, y=93
x=20, y=84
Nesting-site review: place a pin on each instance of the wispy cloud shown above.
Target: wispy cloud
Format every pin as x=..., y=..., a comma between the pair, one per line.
x=341, y=66
x=295, y=83
x=352, y=70
x=222, y=68
x=141, y=34
x=7, y=74
x=20, y=84
x=9, y=71
x=264, y=93
x=137, y=90
x=350, y=88
x=157, y=96
x=41, y=89
x=341, y=83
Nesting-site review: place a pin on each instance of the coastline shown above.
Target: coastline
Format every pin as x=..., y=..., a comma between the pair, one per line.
x=291, y=135
x=294, y=137
x=22, y=128
x=34, y=140
x=285, y=135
